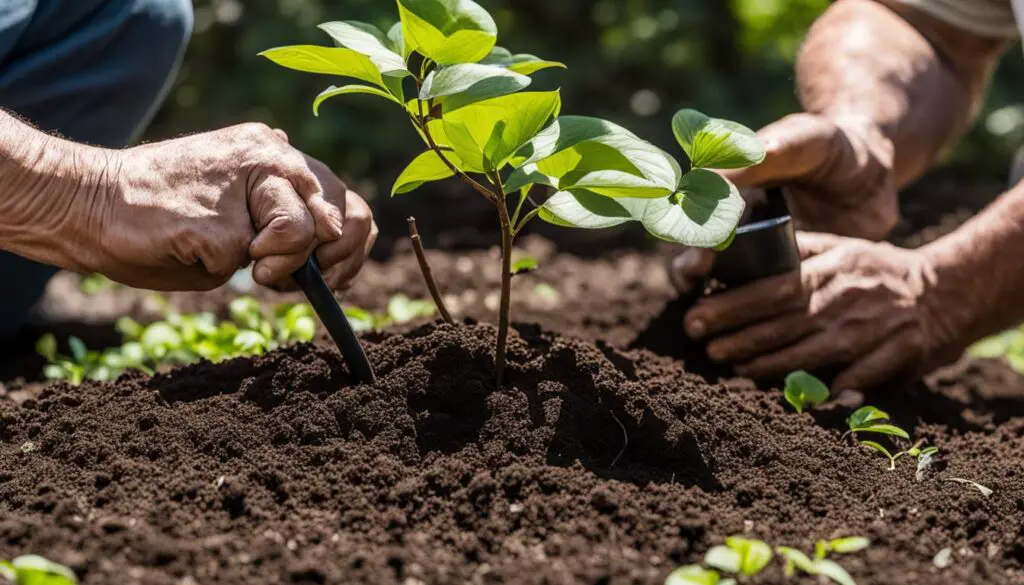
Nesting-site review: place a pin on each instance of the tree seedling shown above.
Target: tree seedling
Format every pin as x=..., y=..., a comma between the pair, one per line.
x=36, y=570
x=466, y=99
x=740, y=556
x=804, y=390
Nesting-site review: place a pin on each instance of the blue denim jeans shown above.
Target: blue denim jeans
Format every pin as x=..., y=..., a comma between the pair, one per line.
x=93, y=71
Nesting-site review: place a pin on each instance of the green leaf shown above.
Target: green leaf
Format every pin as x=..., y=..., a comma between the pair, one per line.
x=723, y=558
x=884, y=429
x=693, y=575
x=754, y=554
x=360, y=319
x=582, y=209
x=984, y=490
x=348, y=90
x=47, y=347
x=708, y=209
x=78, y=349
x=882, y=450
x=849, y=545
x=796, y=560
x=486, y=134
x=996, y=346
x=525, y=264
x=36, y=570
x=423, y=169
x=159, y=338
x=833, y=571
x=402, y=309
x=246, y=311
x=369, y=41
x=128, y=328
x=524, y=64
x=631, y=154
x=326, y=60
x=864, y=415
x=803, y=389
x=448, y=31
x=716, y=144
x=469, y=83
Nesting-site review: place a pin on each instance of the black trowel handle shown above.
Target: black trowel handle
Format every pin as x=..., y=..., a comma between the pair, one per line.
x=322, y=299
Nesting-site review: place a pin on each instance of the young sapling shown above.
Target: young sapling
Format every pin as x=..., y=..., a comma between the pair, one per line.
x=804, y=390
x=466, y=99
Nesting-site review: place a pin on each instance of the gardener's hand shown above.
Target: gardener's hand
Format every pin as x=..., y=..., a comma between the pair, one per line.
x=187, y=213
x=839, y=178
x=870, y=307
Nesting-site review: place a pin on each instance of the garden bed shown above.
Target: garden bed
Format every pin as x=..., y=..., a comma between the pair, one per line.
x=614, y=453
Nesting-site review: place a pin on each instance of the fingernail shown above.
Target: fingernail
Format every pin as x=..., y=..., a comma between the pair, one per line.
x=696, y=328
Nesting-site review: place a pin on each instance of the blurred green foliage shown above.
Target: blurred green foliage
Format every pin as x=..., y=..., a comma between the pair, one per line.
x=634, y=62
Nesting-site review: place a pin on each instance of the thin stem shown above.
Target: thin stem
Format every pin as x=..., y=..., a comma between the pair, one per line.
x=523, y=193
x=428, y=276
x=506, y=287
x=526, y=219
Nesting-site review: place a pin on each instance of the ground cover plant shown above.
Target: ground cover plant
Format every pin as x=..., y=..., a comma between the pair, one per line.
x=466, y=97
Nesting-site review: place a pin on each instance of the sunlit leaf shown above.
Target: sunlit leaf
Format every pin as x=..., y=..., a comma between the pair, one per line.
x=370, y=41
x=469, y=83
x=716, y=144
x=723, y=558
x=583, y=210
x=833, y=571
x=36, y=570
x=78, y=349
x=525, y=264
x=396, y=40
x=426, y=167
x=402, y=309
x=347, y=90
x=486, y=134
x=448, y=31
x=754, y=555
x=326, y=60
x=865, y=415
x=47, y=347
x=884, y=429
x=796, y=559
x=849, y=545
x=878, y=447
x=693, y=575
x=524, y=64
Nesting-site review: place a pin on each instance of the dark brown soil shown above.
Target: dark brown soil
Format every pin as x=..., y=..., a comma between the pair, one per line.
x=594, y=465
x=615, y=452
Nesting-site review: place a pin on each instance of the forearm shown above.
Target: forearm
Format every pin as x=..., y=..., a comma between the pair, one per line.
x=47, y=186
x=978, y=278
x=907, y=79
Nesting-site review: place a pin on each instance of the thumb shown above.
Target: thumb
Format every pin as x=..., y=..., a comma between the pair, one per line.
x=814, y=243
x=795, y=146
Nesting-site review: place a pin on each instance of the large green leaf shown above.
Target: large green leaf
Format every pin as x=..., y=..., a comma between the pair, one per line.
x=448, y=31
x=424, y=168
x=522, y=63
x=396, y=40
x=716, y=144
x=326, y=60
x=470, y=83
x=350, y=89
x=486, y=134
x=582, y=209
x=605, y=146
x=703, y=214
x=370, y=41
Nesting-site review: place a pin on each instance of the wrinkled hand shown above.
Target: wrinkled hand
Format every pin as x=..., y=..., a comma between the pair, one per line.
x=185, y=214
x=839, y=180
x=868, y=307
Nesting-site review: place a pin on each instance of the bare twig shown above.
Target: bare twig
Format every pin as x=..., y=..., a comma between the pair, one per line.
x=428, y=276
x=625, y=439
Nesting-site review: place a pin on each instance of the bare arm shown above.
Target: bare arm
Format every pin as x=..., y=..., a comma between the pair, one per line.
x=45, y=187
x=886, y=67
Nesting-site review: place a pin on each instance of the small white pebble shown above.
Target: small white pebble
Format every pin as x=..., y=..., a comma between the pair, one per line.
x=748, y=525
x=943, y=558
x=492, y=300
x=292, y=545
x=516, y=508
x=219, y=482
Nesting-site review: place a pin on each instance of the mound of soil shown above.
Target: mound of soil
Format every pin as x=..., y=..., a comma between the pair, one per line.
x=593, y=465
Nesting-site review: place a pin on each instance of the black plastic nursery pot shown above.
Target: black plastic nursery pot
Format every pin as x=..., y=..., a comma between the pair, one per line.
x=763, y=248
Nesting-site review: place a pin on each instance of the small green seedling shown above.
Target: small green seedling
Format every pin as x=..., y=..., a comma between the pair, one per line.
x=820, y=565
x=696, y=575
x=401, y=309
x=181, y=339
x=869, y=419
x=847, y=545
x=36, y=570
x=740, y=556
x=440, y=67
x=804, y=390
x=525, y=265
